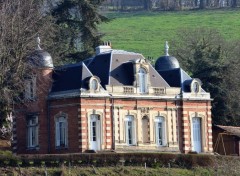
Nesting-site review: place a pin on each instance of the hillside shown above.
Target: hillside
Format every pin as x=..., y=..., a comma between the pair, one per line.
x=146, y=32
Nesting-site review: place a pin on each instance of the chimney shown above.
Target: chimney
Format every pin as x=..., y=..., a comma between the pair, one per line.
x=104, y=48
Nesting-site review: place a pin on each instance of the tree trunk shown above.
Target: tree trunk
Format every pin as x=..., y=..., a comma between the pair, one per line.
x=234, y=3
x=147, y=5
x=202, y=4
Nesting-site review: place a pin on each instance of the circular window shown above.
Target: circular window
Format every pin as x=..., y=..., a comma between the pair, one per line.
x=94, y=84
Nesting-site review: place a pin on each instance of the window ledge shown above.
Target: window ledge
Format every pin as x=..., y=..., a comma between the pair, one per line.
x=61, y=148
x=133, y=145
x=33, y=148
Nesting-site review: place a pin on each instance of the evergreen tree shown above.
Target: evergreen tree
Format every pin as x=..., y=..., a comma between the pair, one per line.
x=207, y=56
x=78, y=34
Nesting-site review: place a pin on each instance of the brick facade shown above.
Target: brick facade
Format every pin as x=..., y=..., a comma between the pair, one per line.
x=117, y=117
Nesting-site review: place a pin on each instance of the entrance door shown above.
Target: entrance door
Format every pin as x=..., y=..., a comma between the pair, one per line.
x=95, y=132
x=196, y=130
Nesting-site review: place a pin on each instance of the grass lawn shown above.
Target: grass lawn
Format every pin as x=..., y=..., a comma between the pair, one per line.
x=107, y=171
x=146, y=32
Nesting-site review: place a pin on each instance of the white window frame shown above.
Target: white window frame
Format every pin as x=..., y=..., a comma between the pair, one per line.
x=94, y=84
x=61, y=132
x=160, y=120
x=142, y=78
x=30, y=88
x=130, y=130
x=32, y=131
x=198, y=135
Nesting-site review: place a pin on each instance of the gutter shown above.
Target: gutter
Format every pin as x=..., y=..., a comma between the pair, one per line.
x=113, y=124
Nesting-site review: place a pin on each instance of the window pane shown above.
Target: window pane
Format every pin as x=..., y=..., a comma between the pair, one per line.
x=93, y=131
x=142, y=77
x=61, y=132
x=32, y=127
x=160, y=133
x=130, y=132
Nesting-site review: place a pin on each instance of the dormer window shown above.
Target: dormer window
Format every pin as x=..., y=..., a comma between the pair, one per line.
x=142, y=78
x=94, y=84
x=30, y=88
x=196, y=86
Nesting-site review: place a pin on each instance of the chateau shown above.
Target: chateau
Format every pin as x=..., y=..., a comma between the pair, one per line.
x=114, y=101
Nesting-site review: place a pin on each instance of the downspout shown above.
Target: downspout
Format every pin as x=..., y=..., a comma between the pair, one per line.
x=48, y=126
x=112, y=124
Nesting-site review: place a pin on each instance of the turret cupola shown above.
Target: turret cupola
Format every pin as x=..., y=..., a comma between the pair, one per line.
x=166, y=62
x=41, y=58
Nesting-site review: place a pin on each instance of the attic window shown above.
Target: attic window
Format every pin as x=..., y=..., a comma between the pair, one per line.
x=196, y=86
x=142, y=78
x=94, y=84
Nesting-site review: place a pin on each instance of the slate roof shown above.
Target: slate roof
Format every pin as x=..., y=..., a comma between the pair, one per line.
x=177, y=78
x=166, y=63
x=41, y=58
x=70, y=77
x=116, y=68
x=230, y=129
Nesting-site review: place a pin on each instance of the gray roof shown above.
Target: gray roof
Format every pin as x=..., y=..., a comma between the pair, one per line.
x=116, y=68
x=233, y=130
x=41, y=58
x=71, y=77
x=166, y=63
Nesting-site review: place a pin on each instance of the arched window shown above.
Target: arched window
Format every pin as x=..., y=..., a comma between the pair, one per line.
x=61, y=131
x=30, y=88
x=94, y=84
x=142, y=77
x=160, y=131
x=196, y=134
x=130, y=130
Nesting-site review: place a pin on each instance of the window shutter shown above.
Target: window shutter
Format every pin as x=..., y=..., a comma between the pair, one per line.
x=36, y=132
x=126, y=132
x=163, y=132
x=57, y=134
x=133, y=133
x=29, y=136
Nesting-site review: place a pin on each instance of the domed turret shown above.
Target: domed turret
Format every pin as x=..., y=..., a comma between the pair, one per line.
x=41, y=58
x=166, y=62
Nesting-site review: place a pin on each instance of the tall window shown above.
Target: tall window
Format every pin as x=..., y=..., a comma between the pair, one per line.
x=30, y=88
x=142, y=77
x=61, y=132
x=129, y=128
x=160, y=131
x=196, y=134
x=32, y=131
x=145, y=130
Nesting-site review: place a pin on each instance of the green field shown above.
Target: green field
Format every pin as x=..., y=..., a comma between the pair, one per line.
x=146, y=32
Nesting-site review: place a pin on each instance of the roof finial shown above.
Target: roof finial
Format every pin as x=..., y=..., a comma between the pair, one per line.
x=166, y=48
x=38, y=43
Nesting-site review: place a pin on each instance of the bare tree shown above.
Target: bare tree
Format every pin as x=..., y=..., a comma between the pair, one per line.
x=20, y=23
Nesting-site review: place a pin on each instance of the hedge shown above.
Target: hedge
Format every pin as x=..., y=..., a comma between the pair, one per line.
x=110, y=159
